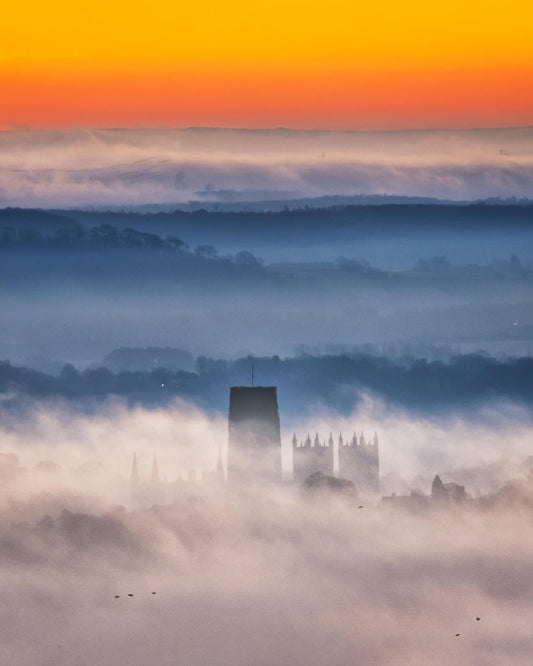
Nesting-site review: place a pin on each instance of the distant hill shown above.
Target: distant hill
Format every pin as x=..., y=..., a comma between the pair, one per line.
x=31, y=223
x=145, y=359
x=245, y=201
x=47, y=222
x=215, y=227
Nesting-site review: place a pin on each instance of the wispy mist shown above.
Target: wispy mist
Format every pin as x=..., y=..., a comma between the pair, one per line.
x=131, y=167
x=177, y=566
x=273, y=577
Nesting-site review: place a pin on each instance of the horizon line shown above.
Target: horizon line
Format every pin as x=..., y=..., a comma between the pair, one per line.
x=279, y=128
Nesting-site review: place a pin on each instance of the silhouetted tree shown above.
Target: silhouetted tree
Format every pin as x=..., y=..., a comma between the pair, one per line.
x=105, y=235
x=71, y=235
x=206, y=251
x=131, y=238
x=247, y=259
x=175, y=243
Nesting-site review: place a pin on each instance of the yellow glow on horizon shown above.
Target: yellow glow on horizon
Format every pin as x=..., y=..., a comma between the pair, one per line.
x=178, y=50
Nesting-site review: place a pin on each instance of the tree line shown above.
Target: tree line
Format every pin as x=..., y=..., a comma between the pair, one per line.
x=335, y=381
x=109, y=237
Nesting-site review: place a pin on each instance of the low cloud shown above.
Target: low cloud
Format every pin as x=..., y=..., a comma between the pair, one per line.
x=273, y=577
x=133, y=167
x=270, y=577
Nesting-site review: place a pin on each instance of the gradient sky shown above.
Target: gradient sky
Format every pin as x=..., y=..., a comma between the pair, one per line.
x=387, y=64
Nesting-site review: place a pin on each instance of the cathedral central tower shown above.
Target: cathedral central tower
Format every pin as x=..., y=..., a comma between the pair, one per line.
x=254, y=447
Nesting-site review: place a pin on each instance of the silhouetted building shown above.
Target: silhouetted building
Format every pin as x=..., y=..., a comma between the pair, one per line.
x=217, y=477
x=359, y=462
x=154, y=479
x=322, y=482
x=254, y=449
x=152, y=489
x=134, y=477
x=446, y=492
x=414, y=502
x=156, y=490
x=311, y=456
x=220, y=466
x=442, y=495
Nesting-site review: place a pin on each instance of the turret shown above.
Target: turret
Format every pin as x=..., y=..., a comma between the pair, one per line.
x=359, y=462
x=438, y=491
x=154, y=479
x=220, y=466
x=134, y=478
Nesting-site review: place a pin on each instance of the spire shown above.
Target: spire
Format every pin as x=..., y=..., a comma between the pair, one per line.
x=362, y=439
x=155, y=471
x=294, y=440
x=330, y=442
x=317, y=441
x=134, y=478
x=220, y=466
x=354, y=440
x=341, y=441
x=376, y=441
x=438, y=491
x=308, y=440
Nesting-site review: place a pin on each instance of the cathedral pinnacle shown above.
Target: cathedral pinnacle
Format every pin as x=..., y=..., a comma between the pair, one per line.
x=134, y=478
x=155, y=471
x=220, y=465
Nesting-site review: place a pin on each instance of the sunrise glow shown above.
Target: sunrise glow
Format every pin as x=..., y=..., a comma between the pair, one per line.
x=384, y=65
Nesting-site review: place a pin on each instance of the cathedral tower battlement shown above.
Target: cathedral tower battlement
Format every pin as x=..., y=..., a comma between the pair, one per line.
x=310, y=456
x=358, y=459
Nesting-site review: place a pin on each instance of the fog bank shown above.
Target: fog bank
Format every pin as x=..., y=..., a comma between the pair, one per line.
x=274, y=576
x=89, y=167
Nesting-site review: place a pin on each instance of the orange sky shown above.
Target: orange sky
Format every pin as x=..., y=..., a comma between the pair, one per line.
x=295, y=64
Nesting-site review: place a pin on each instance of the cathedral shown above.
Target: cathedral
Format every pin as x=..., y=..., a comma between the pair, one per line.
x=358, y=460
x=254, y=455
x=254, y=446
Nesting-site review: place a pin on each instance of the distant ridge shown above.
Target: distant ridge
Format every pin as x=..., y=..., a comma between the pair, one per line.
x=234, y=201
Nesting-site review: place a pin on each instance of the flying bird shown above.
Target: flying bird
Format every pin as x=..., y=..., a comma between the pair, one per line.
x=478, y=619
x=153, y=593
x=130, y=595
x=457, y=635
x=117, y=596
